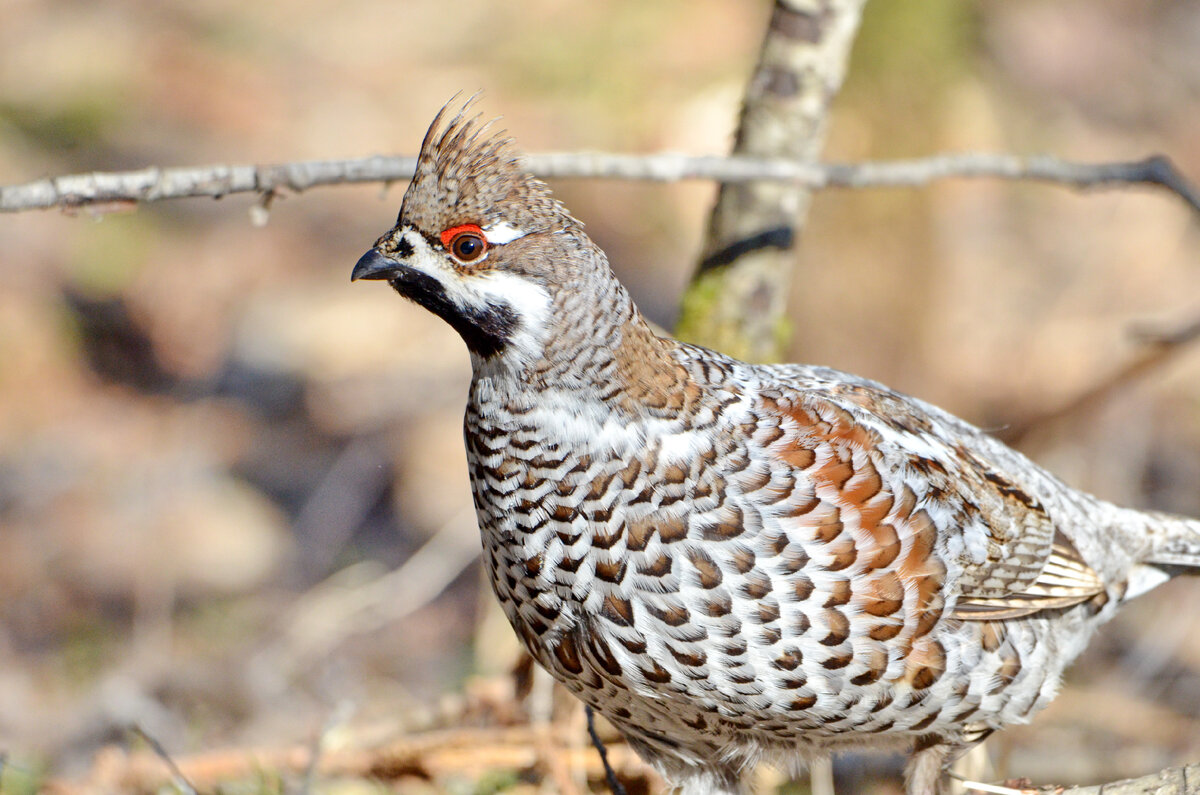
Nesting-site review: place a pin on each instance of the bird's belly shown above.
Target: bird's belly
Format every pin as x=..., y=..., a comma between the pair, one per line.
x=665, y=660
x=679, y=607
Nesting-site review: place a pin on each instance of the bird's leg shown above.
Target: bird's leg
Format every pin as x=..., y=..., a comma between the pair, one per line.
x=972, y=765
x=923, y=772
x=820, y=776
x=614, y=784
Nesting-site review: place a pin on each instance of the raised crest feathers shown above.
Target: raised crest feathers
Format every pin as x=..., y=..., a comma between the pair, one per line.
x=470, y=172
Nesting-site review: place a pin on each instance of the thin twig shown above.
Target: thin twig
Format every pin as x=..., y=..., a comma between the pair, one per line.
x=994, y=789
x=157, y=184
x=338, y=716
x=177, y=778
x=314, y=759
x=1160, y=350
x=433, y=756
x=614, y=783
x=333, y=611
x=557, y=775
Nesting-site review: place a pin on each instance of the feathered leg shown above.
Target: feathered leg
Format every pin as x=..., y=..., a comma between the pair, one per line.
x=926, y=765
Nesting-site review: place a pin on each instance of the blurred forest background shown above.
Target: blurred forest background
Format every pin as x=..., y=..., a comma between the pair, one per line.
x=213, y=448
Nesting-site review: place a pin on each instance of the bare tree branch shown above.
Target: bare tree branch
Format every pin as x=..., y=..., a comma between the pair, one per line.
x=1172, y=781
x=337, y=609
x=436, y=756
x=457, y=754
x=157, y=184
x=1160, y=349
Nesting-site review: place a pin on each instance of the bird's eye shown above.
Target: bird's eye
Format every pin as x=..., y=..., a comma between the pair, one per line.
x=466, y=243
x=467, y=246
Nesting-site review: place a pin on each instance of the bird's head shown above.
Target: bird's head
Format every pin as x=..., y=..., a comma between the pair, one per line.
x=479, y=242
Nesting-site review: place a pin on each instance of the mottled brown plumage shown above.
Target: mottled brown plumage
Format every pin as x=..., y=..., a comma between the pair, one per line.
x=731, y=562
x=471, y=177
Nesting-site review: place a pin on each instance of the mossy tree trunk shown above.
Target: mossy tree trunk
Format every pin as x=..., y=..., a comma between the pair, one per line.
x=736, y=302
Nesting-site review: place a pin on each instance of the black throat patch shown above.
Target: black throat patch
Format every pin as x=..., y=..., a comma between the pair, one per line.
x=486, y=330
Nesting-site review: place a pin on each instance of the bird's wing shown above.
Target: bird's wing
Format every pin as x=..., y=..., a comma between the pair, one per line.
x=925, y=503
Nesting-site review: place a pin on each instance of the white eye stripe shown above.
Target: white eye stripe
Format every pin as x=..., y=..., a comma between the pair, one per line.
x=501, y=233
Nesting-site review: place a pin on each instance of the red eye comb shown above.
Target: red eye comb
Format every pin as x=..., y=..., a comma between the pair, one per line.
x=448, y=234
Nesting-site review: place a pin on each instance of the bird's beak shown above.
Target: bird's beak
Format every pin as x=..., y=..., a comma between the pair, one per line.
x=374, y=265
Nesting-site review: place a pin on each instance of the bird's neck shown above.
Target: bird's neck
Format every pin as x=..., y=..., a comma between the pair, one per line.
x=600, y=349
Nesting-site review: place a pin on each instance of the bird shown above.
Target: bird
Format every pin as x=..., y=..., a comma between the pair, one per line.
x=739, y=563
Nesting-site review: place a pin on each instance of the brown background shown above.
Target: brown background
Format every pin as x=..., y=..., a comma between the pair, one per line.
x=201, y=420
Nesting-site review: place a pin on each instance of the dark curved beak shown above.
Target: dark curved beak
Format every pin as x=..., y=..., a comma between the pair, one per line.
x=374, y=265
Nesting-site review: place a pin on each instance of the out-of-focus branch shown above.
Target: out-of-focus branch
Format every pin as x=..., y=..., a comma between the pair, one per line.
x=178, y=779
x=737, y=300
x=156, y=184
x=1160, y=349
x=1172, y=781
x=434, y=756
x=337, y=609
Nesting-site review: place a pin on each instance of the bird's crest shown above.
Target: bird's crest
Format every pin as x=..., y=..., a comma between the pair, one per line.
x=468, y=172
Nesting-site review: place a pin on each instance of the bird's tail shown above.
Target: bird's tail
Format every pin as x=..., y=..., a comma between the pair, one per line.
x=1175, y=541
x=1171, y=546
